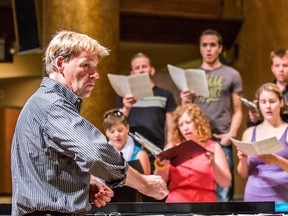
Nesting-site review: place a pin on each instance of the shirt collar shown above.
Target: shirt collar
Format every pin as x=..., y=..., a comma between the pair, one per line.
x=63, y=90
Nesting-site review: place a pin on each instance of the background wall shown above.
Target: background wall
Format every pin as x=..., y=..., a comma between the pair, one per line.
x=263, y=30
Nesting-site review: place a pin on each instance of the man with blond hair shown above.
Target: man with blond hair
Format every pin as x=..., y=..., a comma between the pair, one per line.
x=55, y=150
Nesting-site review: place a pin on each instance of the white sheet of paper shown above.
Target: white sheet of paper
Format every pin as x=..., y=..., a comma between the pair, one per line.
x=192, y=79
x=137, y=85
x=178, y=76
x=267, y=146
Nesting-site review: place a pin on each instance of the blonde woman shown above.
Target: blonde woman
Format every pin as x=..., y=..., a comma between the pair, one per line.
x=267, y=175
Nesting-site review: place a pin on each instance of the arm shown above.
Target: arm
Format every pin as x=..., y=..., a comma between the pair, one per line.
x=83, y=143
x=162, y=168
x=243, y=164
x=128, y=102
x=168, y=126
x=236, y=121
x=150, y=185
x=273, y=159
x=187, y=96
x=142, y=156
x=237, y=115
x=220, y=166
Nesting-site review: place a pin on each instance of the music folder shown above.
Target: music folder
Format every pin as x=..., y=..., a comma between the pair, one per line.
x=182, y=152
x=136, y=165
x=177, y=154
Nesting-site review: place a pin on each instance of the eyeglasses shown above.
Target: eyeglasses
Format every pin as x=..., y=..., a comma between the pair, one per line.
x=114, y=113
x=104, y=214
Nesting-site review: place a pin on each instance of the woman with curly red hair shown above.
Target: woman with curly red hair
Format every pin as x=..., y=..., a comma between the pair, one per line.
x=194, y=180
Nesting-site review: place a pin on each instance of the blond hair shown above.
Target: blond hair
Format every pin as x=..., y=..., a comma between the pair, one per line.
x=271, y=87
x=69, y=44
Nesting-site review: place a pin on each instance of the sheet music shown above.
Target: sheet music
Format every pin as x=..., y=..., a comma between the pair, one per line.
x=267, y=146
x=137, y=85
x=248, y=103
x=155, y=150
x=192, y=79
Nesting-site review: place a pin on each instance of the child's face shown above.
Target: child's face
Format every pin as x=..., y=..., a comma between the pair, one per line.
x=117, y=134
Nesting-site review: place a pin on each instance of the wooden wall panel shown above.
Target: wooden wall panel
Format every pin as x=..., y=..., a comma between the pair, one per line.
x=210, y=8
x=9, y=118
x=175, y=21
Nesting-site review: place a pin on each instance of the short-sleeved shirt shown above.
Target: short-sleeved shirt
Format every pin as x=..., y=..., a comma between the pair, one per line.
x=148, y=116
x=222, y=82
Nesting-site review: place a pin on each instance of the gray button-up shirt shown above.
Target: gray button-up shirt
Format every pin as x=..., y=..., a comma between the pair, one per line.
x=55, y=150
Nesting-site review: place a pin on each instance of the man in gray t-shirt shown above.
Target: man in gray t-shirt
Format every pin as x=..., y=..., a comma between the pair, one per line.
x=222, y=82
x=222, y=107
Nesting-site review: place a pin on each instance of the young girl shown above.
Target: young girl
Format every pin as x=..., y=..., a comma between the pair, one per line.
x=194, y=180
x=116, y=129
x=267, y=174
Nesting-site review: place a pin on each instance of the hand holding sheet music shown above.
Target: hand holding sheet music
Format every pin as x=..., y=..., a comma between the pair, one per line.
x=267, y=146
x=177, y=154
x=137, y=85
x=192, y=79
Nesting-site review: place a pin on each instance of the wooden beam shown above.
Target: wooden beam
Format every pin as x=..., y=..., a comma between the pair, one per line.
x=138, y=27
x=187, y=8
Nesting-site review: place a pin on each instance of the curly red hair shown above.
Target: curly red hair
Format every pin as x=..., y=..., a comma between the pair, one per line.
x=200, y=121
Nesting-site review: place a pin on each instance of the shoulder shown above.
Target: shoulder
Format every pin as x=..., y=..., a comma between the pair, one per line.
x=213, y=146
x=142, y=154
x=136, y=150
x=247, y=134
x=210, y=144
x=229, y=69
x=161, y=90
x=168, y=146
x=233, y=77
x=167, y=96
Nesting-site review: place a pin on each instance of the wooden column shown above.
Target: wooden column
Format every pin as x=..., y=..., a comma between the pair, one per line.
x=8, y=121
x=100, y=20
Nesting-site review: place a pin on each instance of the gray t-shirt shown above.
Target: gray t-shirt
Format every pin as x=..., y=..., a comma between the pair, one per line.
x=222, y=82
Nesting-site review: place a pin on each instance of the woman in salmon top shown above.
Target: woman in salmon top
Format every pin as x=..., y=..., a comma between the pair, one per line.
x=194, y=180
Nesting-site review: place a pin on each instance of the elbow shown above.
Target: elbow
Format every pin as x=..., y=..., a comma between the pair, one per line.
x=226, y=184
x=243, y=175
x=226, y=181
x=242, y=172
